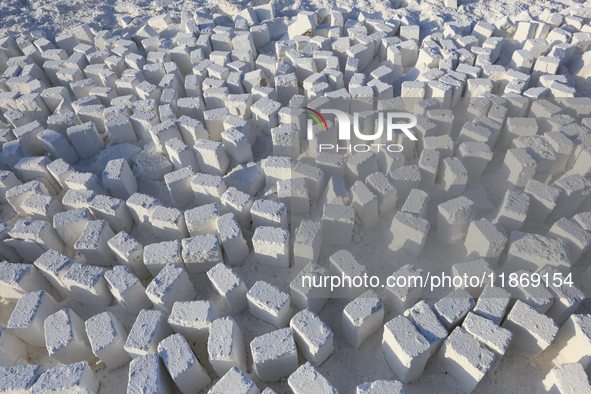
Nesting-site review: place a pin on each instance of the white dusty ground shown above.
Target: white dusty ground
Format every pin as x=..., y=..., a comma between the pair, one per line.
x=347, y=367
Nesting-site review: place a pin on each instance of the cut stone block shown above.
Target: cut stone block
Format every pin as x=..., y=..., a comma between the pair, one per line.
x=148, y=375
x=53, y=266
x=454, y=218
x=294, y=194
x=202, y=220
x=201, y=253
x=405, y=179
x=407, y=292
x=235, y=247
x=380, y=387
x=229, y=285
x=428, y=324
x=239, y=203
x=184, y=368
x=567, y=378
x=179, y=186
x=87, y=284
x=73, y=378
x=272, y=246
x=494, y=338
x=492, y=303
x=452, y=309
x=268, y=303
x=474, y=269
x=141, y=207
x=118, y=178
x=307, y=379
x=578, y=239
x=225, y=346
x=12, y=349
x=129, y=253
x=107, y=337
x=405, y=348
x=170, y=285
x=28, y=316
x=484, y=240
x=169, y=223
x=158, y=255
x=532, y=331
x=192, y=319
x=362, y=317
x=534, y=252
x=235, y=381
x=512, y=211
x=307, y=288
x=345, y=266
x=19, y=279
x=127, y=289
x=567, y=297
x=337, y=224
x=114, y=211
x=268, y=213
x=93, y=243
x=70, y=224
x=66, y=339
x=308, y=243
x=149, y=329
x=465, y=359
x=410, y=232
x=19, y=378
x=274, y=355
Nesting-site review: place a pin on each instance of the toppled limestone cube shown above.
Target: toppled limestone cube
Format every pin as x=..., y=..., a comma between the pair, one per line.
x=337, y=224
x=380, y=387
x=168, y=223
x=53, y=266
x=578, y=239
x=428, y=324
x=308, y=242
x=87, y=284
x=93, y=243
x=19, y=378
x=192, y=319
x=492, y=303
x=72, y=378
x=405, y=348
x=406, y=291
x=235, y=247
x=484, y=240
x=130, y=253
x=65, y=338
x=474, y=269
x=158, y=255
x=494, y=338
x=127, y=289
x=170, y=285
x=274, y=355
x=409, y=232
x=107, y=337
x=235, y=381
x=532, y=331
x=184, y=368
x=572, y=341
x=512, y=211
x=272, y=246
x=147, y=374
x=567, y=378
x=201, y=220
x=452, y=309
x=465, y=358
x=268, y=303
x=307, y=379
x=534, y=252
x=225, y=346
x=362, y=317
x=229, y=285
x=18, y=279
x=454, y=218
x=12, y=350
x=28, y=316
x=149, y=329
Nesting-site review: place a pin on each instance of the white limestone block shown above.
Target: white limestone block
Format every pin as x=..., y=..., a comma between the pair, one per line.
x=225, y=346
x=172, y=284
x=274, y=355
x=107, y=337
x=127, y=289
x=148, y=330
x=229, y=285
x=87, y=284
x=28, y=316
x=66, y=339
